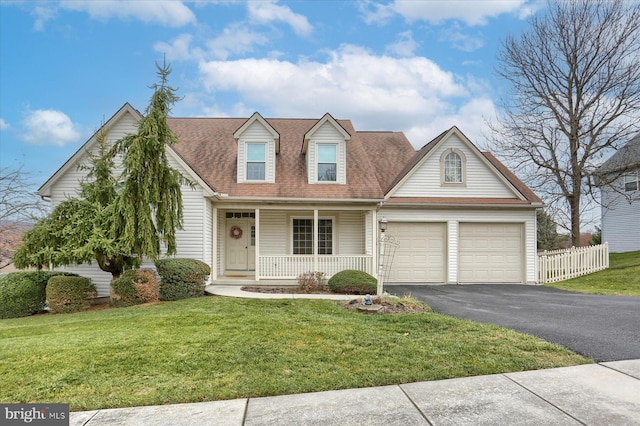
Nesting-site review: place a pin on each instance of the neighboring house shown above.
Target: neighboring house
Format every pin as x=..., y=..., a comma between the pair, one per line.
x=278, y=197
x=621, y=202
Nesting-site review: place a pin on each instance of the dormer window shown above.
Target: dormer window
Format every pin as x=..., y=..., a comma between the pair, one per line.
x=256, y=161
x=327, y=162
x=452, y=166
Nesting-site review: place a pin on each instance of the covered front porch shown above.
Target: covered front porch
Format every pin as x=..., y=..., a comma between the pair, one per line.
x=274, y=244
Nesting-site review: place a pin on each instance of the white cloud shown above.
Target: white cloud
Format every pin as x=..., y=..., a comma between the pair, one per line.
x=163, y=12
x=179, y=49
x=235, y=39
x=460, y=40
x=405, y=46
x=49, y=127
x=43, y=13
x=266, y=12
x=439, y=11
x=4, y=125
x=470, y=118
x=376, y=92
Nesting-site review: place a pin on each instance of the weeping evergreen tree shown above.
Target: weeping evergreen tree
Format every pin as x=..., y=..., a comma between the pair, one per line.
x=80, y=230
x=149, y=207
x=115, y=224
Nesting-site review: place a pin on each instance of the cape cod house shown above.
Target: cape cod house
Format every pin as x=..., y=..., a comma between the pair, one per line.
x=278, y=197
x=621, y=203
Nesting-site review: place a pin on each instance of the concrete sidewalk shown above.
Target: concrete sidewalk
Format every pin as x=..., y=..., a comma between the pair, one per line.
x=595, y=394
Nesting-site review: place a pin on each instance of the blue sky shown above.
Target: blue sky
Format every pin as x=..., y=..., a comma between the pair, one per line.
x=413, y=66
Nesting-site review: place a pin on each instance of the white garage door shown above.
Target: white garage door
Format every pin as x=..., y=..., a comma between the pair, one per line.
x=491, y=253
x=420, y=257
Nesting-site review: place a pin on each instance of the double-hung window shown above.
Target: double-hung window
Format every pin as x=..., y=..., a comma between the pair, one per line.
x=452, y=168
x=632, y=182
x=256, y=161
x=302, y=233
x=327, y=162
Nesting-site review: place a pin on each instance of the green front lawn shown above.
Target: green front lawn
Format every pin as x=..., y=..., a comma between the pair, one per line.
x=622, y=278
x=214, y=348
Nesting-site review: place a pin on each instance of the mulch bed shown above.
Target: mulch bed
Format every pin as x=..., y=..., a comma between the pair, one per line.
x=388, y=306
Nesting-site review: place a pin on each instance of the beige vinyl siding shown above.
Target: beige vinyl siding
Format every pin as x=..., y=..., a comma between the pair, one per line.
x=273, y=232
x=257, y=133
x=351, y=231
x=453, y=218
x=190, y=239
x=68, y=184
x=480, y=182
x=329, y=135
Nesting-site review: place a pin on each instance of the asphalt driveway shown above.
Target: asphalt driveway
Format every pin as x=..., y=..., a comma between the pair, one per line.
x=605, y=328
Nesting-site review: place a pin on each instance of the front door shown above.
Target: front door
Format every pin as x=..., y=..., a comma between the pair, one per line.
x=240, y=245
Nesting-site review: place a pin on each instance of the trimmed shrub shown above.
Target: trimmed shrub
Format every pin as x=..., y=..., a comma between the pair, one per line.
x=70, y=294
x=353, y=282
x=182, y=278
x=23, y=293
x=135, y=287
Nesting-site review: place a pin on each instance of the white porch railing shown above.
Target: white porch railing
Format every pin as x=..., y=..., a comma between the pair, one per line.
x=560, y=265
x=286, y=266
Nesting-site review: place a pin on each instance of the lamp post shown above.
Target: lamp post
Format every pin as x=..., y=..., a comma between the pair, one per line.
x=382, y=223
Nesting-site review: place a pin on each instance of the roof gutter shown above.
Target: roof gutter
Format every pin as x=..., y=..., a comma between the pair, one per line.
x=226, y=197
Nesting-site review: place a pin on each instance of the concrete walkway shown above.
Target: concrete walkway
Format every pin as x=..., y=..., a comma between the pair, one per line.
x=595, y=394
x=235, y=291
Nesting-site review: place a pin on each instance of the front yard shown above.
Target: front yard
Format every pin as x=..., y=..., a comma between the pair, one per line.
x=214, y=348
x=622, y=278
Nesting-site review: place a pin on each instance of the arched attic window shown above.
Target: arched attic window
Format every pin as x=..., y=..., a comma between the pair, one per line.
x=453, y=167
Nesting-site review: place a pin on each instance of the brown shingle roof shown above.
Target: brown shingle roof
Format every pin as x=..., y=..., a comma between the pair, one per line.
x=389, y=153
x=376, y=162
x=208, y=146
x=517, y=183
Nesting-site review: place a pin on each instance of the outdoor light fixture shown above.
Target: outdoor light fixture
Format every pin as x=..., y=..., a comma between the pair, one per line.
x=383, y=224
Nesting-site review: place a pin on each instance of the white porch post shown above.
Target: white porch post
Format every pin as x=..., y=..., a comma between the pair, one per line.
x=381, y=263
x=315, y=240
x=257, y=245
x=374, y=243
x=214, y=242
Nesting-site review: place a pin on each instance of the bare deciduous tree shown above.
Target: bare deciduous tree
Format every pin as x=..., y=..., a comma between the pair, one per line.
x=575, y=98
x=20, y=207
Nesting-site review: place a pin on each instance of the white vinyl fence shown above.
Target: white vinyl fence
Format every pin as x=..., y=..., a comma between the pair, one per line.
x=560, y=265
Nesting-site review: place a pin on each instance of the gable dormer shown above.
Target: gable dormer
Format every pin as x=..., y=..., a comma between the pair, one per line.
x=325, y=147
x=258, y=143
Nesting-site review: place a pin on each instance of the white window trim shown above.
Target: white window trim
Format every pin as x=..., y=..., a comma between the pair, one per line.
x=337, y=146
x=633, y=177
x=246, y=161
x=333, y=234
x=463, y=160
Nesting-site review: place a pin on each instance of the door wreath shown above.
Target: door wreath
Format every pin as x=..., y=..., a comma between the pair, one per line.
x=236, y=232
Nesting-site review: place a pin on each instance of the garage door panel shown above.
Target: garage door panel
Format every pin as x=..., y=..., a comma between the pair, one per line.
x=491, y=253
x=420, y=256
